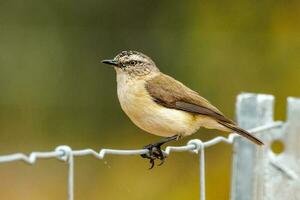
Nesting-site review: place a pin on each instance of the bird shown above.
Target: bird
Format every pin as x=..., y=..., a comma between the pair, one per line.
x=163, y=106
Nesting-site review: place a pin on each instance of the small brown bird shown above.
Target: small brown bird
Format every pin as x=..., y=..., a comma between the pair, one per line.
x=163, y=106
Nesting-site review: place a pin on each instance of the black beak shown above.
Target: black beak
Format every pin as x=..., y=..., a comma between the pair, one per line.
x=110, y=62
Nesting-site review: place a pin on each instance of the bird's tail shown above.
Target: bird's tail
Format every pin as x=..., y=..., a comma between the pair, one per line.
x=241, y=132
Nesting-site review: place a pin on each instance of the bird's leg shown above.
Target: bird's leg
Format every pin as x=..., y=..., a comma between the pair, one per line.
x=155, y=151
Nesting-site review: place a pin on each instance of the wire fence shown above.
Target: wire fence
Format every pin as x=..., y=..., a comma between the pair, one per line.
x=66, y=154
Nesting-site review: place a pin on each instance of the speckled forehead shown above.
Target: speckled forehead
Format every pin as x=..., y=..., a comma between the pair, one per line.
x=137, y=57
x=129, y=55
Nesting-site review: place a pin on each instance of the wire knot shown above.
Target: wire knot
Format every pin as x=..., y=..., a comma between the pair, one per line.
x=197, y=143
x=67, y=152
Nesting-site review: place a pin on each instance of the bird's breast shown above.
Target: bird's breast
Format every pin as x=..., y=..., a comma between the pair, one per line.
x=150, y=116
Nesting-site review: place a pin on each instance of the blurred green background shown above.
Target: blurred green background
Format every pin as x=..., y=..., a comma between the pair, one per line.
x=54, y=90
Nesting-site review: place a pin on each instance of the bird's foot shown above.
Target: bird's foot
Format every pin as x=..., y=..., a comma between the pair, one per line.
x=155, y=153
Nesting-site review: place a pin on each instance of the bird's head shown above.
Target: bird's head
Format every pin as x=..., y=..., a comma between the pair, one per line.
x=133, y=64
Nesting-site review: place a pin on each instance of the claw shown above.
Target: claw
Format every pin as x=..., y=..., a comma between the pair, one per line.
x=154, y=153
x=152, y=163
x=162, y=161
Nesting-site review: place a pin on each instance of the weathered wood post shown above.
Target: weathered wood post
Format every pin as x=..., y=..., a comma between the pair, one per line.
x=257, y=172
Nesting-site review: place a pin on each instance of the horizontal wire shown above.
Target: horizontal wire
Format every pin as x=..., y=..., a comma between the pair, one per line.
x=192, y=145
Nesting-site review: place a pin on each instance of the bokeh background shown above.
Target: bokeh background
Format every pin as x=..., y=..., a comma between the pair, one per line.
x=54, y=90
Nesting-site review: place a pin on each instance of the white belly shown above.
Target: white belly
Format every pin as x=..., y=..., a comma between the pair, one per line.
x=152, y=117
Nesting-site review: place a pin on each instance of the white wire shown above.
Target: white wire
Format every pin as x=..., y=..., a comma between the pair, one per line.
x=69, y=158
x=200, y=148
x=202, y=173
x=65, y=153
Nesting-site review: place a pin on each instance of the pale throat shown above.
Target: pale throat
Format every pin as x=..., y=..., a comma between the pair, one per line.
x=131, y=89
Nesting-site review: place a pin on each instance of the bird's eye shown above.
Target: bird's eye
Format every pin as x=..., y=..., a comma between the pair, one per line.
x=133, y=62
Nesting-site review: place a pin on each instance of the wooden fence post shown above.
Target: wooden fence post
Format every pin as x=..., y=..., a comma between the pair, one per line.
x=257, y=172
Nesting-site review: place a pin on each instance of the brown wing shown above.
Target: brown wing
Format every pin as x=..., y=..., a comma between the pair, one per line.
x=170, y=93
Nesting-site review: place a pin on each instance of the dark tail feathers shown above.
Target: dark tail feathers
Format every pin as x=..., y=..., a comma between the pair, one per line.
x=242, y=132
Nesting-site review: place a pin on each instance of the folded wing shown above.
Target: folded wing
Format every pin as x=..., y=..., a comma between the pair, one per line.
x=170, y=93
